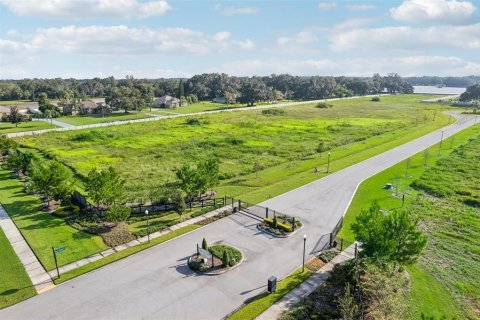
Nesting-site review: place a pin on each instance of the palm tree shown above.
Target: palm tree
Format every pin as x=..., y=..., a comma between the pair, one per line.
x=50, y=114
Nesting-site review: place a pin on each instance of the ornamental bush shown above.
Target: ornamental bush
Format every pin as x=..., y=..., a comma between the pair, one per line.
x=204, y=244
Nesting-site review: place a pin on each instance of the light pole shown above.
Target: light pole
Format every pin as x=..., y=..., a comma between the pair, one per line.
x=148, y=226
x=304, y=243
x=440, y=146
x=328, y=162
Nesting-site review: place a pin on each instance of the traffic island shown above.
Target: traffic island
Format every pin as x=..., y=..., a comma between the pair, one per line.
x=280, y=227
x=216, y=259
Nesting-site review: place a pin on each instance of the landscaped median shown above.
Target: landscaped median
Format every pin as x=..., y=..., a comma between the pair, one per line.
x=216, y=259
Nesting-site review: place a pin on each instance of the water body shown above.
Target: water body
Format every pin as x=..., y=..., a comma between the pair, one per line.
x=436, y=90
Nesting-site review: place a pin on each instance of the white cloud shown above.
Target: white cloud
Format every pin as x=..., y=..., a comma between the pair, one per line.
x=82, y=9
x=123, y=40
x=360, y=7
x=408, y=38
x=406, y=66
x=441, y=11
x=233, y=11
x=302, y=38
x=352, y=23
x=326, y=5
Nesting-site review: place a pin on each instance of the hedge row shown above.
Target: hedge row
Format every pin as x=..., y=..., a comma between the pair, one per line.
x=280, y=225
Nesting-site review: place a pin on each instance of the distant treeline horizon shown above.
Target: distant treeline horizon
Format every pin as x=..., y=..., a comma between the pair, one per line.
x=208, y=86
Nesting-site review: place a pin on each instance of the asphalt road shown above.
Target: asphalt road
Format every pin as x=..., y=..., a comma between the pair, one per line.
x=157, y=284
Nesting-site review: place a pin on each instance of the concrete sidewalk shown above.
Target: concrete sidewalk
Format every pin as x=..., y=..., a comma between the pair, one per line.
x=40, y=278
x=306, y=288
x=106, y=253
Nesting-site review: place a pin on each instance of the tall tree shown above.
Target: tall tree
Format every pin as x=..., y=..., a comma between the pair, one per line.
x=390, y=238
x=52, y=179
x=105, y=187
x=15, y=117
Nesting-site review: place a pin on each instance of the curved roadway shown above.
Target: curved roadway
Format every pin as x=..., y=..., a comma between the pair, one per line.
x=157, y=284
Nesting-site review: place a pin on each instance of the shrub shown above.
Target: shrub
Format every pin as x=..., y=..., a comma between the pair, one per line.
x=204, y=244
x=194, y=122
x=323, y=105
x=376, y=99
x=273, y=112
x=277, y=225
x=225, y=259
x=117, y=213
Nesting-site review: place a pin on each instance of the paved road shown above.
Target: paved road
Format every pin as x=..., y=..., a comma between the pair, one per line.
x=156, y=284
x=57, y=123
x=66, y=126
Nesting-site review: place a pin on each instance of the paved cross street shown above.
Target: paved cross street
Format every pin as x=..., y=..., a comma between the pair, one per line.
x=157, y=283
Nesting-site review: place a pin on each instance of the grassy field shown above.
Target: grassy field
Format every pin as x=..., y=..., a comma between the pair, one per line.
x=264, y=300
x=284, y=145
x=444, y=281
x=42, y=230
x=196, y=107
x=8, y=102
x=25, y=126
x=15, y=285
x=93, y=119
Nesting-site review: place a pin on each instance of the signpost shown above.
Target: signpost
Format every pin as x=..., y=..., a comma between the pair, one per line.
x=55, y=251
x=204, y=253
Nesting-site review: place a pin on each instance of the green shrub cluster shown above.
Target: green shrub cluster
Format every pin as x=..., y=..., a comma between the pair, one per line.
x=273, y=112
x=376, y=99
x=279, y=225
x=323, y=105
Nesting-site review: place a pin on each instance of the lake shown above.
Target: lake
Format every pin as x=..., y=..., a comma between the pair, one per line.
x=436, y=90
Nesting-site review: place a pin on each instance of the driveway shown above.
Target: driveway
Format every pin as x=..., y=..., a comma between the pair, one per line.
x=157, y=284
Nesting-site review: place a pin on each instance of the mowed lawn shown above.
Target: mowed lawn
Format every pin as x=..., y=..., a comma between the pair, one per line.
x=93, y=119
x=283, y=145
x=15, y=285
x=42, y=230
x=25, y=126
x=445, y=281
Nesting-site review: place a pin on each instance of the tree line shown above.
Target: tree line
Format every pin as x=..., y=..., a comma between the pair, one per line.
x=137, y=92
x=459, y=82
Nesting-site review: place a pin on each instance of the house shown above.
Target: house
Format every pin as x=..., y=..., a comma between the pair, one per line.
x=83, y=108
x=169, y=102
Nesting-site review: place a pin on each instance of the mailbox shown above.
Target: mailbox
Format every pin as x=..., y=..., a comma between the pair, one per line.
x=272, y=284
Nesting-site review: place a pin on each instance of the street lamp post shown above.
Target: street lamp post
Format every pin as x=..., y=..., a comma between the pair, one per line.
x=304, y=243
x=328, y=163
x=440, y=146
x=148, y=226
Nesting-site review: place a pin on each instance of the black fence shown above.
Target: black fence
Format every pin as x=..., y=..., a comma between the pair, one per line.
x=264, y=212
x=138, y=209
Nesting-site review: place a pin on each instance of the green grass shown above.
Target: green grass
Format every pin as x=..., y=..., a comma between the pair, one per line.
x=444, y=282
x=14, y=102
x=15, y=285
x=123, y=254
x=284, y=145
x=218, y=249
x=196, y=107
x=93, y=119
x=264, y=300
x=42, y=230
x=430, y=297
x=371, y=189
x=25, y=126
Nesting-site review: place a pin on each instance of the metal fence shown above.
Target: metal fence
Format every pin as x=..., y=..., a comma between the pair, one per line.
x=153, y=208
x=265, y=212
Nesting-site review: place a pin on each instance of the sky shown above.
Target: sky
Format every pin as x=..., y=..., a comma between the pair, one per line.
x=167, y=39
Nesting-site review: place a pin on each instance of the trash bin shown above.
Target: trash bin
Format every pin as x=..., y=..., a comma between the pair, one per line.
x=272, y=284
